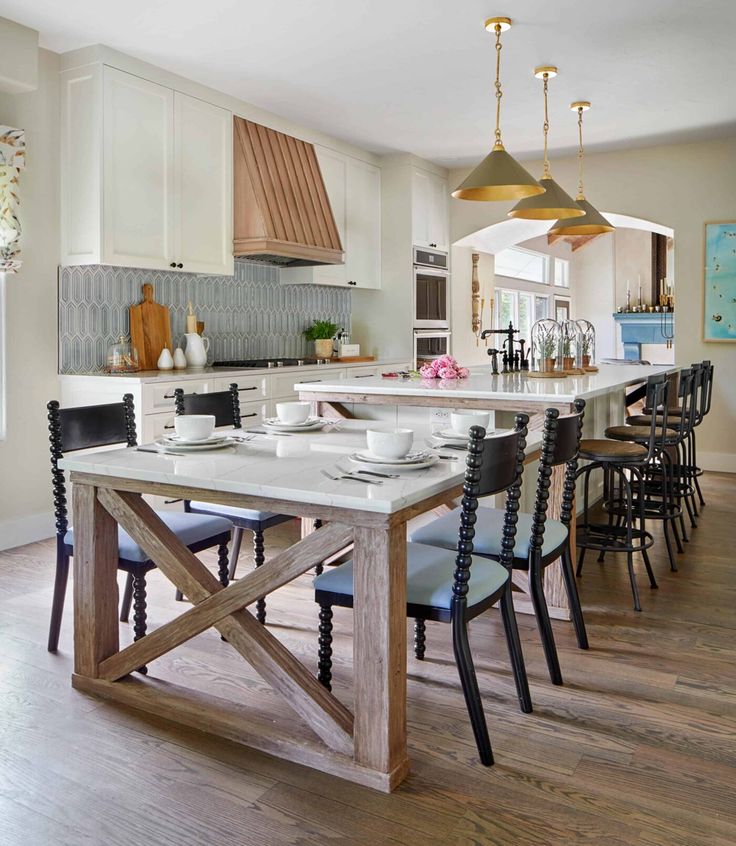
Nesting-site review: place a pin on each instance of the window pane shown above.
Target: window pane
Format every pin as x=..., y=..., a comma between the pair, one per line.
x=525, y=315
x=505, y=308
x=541, y=308
x=522, y=264
x=562, y=273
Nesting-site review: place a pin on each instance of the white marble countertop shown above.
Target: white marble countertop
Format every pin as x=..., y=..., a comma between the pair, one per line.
x=154, y=376
x=284, y=468
x=481, y=384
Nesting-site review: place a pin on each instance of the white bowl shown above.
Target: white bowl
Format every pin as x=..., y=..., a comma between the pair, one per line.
x=389, y=443
x=293, y=413
x=194, y=427
x=461, y=421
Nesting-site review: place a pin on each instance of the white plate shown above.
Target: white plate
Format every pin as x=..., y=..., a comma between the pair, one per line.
x=412, y=458
x=450, y=435
x=177, y=440
x=311, y=425
x=429, y=461
x=166, y=446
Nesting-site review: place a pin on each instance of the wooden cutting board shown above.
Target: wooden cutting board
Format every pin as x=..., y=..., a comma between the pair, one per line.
x=150, y=329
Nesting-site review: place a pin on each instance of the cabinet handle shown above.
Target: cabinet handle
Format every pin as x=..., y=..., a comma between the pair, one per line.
x=431, y=245
x=172, y=501
x=365, y=376
x=252, y=414
x=254, y=388
x=352, y=283
x=170, y=427
x=173, y=264
x=169, y=396
x=180, y=265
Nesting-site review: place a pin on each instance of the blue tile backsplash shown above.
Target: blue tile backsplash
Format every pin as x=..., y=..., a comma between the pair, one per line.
x=248, y=315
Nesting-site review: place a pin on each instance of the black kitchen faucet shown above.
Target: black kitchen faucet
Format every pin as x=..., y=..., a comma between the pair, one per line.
x=512, y=359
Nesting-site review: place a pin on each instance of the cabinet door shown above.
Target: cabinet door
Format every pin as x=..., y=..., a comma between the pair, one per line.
x=138, y=154
x=203, y=186
x=438, y=207
x=334, y=172
x=363, y=225
x=421, y=195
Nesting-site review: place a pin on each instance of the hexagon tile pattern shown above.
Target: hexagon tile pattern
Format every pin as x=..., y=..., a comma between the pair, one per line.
x=248, y=315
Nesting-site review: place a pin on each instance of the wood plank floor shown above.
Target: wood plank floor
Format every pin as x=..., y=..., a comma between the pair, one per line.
x=638, y=747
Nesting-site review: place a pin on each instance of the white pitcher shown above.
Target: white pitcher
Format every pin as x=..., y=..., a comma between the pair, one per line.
x=196, y=349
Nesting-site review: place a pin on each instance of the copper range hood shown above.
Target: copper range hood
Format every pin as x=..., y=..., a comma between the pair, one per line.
x=282, y=211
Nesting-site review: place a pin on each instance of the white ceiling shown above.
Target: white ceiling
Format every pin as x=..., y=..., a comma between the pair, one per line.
x=416, y=75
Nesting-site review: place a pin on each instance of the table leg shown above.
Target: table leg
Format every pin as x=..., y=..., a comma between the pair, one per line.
x=95, y=582
x=379, y=650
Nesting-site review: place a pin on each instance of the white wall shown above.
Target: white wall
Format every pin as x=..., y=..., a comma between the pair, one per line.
x=31, y=357
x=677, y=185
x=595, y=286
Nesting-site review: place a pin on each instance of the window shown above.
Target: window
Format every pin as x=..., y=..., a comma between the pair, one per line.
x=521, y=308
x=562, y=273
x=562, y=308
x=516, y=263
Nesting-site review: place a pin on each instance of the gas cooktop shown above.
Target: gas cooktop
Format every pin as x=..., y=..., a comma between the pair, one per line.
x=272, y=362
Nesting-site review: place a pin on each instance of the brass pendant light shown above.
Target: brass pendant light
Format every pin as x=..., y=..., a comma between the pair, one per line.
x=499, y=176
x=555, y=203
x=593, y=222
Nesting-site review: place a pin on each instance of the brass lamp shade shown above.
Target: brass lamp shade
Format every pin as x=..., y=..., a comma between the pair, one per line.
x=498, y=177
x=554, y=204
x=592, y=223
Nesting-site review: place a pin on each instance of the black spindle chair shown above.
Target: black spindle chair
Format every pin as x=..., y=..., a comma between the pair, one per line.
x=87, y=427
x=225, y=406
x=435, y=592
x=540, y=540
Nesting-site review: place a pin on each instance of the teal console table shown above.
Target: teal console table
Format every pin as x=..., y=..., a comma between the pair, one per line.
x=644, y=328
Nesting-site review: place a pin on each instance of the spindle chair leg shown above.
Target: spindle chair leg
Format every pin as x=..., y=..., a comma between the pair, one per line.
x=139, y=610
x=420, y=638
x=513, y=641
x=258, y=559
x=573, y=598
x=223, y=565
x=324, y=674
x=536, y=591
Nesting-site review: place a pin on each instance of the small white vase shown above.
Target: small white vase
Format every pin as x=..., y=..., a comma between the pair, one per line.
x=180, y=360
x=165, y=360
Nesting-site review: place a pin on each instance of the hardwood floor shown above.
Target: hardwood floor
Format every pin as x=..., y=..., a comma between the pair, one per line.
x=638, y=746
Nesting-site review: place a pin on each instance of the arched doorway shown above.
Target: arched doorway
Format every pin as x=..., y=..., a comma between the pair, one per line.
x=587, y=276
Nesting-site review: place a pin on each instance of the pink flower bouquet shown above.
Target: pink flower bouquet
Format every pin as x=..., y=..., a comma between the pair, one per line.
x=444, y=367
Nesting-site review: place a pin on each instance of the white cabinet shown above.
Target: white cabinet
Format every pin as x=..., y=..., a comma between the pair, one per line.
x=354, y=189
x=137, y=176
x=429, y=206
x=146, y=175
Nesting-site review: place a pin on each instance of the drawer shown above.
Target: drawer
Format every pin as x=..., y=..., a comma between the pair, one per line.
x=282, y=386
x=250, y=388
x=161, y=397
x=362, y=372
x=156, y=425
x=252, y=413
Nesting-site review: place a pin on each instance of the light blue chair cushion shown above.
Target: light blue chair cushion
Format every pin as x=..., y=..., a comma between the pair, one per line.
x=429, y=577
x=234, y=511
x=488, y=533
x=189, y=528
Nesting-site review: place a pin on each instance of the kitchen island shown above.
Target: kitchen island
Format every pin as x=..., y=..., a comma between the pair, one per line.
x=406, y=401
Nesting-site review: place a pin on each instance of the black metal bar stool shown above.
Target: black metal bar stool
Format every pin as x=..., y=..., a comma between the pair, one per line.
x=623, y=463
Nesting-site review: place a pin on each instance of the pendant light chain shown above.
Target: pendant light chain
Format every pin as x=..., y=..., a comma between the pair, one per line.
x=581, y=193
x=547, y=174
x=499, y=93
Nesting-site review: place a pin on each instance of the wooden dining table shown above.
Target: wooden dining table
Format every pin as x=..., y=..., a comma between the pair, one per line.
x=283, y=474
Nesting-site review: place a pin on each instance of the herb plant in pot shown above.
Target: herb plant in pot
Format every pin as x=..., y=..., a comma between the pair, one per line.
x=547, y=353
x=321, y=332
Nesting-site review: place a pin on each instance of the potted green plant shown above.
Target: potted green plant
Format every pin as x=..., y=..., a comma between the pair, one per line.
x=568, y=361
x=586, y=349
x=547, y=353
x=321, y=332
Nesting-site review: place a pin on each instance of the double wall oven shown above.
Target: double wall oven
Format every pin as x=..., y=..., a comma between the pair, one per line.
x=431, y=305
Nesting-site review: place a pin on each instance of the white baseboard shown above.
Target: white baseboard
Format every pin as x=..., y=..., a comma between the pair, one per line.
x=19, y=531
x=721, y=462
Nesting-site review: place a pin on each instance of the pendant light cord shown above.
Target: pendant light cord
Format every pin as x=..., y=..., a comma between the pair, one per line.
x=581, y=193
x=499, y=93
x=547, y=174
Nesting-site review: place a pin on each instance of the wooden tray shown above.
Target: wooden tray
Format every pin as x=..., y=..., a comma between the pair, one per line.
x=546, y=374
x=352, y=359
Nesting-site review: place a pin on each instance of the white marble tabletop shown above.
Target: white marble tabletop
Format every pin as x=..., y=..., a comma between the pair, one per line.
x=481, y=384
x=286, y=468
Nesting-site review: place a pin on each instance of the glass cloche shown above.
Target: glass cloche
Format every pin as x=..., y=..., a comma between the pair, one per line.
x=587, y=351
x=545, y=345
x=122, y=357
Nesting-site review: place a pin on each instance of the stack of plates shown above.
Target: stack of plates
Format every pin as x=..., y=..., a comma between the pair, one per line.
x=173, y=443
x=413, y=461
x=273, y=424
x=451, y=437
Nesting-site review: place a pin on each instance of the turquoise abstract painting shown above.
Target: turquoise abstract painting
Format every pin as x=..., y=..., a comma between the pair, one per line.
x=719, y=318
